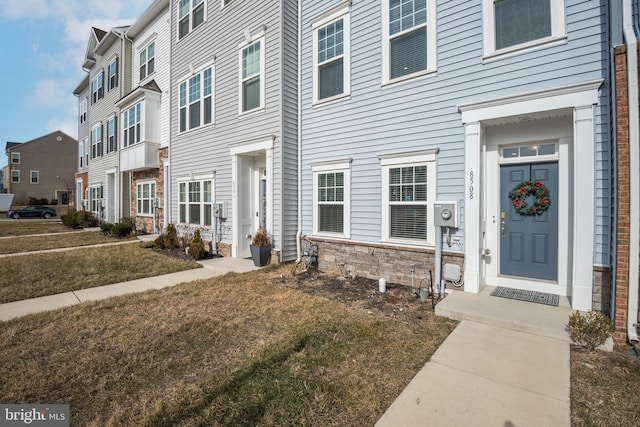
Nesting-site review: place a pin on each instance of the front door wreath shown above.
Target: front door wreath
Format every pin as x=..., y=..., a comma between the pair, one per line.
x=520, y=193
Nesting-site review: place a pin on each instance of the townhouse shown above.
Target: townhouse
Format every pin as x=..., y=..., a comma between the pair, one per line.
x=108, y=65
x=412, y=105
x=82, y=173
x=234, y=122
x=144, y=120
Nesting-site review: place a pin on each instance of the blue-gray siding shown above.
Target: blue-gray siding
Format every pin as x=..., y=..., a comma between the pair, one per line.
x=422, y=113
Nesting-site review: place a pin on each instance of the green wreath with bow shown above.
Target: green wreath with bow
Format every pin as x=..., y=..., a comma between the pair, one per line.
x=520, y=193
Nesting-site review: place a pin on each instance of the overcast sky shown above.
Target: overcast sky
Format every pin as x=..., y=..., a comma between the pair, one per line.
x=42, y=48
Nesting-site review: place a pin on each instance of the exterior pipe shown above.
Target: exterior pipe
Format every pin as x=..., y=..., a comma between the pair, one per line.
x=299, y=131
x=631, y=43
x=438, y=261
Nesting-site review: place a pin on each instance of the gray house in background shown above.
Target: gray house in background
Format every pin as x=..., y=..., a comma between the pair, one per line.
x=234, y=119
x=42, y=168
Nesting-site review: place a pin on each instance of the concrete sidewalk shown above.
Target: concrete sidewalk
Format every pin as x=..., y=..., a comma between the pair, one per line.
x=505, y=365
x=212, y=267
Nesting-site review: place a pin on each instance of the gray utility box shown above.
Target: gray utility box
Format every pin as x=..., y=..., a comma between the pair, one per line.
x=445, y=214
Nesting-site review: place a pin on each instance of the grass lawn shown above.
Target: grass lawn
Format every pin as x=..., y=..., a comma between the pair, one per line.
x=237, y=350
x=604, y=389
x=55, y=241
x=34, y=275
x=23, y=227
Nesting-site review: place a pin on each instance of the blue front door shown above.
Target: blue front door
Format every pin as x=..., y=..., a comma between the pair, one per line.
x=529, y=243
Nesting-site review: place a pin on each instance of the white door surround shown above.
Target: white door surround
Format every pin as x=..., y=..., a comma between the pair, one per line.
x=248, y=158
x=575, y=136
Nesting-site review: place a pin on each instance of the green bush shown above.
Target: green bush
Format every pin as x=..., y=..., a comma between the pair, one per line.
x=591, y=329
x=167, y=240
x=196, y=247
x=106, y=227
x=79, y=219
x=129, y=221
x=121, y=229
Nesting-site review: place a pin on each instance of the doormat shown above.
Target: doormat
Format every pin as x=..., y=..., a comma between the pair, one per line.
x=530, y=296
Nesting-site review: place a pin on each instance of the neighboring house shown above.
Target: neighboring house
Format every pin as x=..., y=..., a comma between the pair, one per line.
x=82, y=175
x=144, y=117
x=42, y=168
x=234, y=121
x=408, y=104
x=108, y=63
x=627, y=183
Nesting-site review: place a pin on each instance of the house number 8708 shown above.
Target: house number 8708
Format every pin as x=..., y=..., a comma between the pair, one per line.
x=471, y=184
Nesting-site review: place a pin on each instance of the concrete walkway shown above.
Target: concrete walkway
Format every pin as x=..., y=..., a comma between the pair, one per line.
x=212, y=268
x=505, y=365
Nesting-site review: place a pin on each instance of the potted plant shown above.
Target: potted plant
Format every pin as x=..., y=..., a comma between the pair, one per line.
x=261, y=248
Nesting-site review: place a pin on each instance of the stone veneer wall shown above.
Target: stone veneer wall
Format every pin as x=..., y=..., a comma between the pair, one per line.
x=144, y=223
x=601, y=297
x=374, y=261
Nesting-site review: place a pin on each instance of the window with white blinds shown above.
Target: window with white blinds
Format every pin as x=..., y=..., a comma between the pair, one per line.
x=331, y=203
x=409, y=30
x=512, y=25
x=408, y=192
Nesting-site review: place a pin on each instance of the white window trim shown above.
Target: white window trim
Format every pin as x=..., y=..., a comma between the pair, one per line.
x=117, y=75
x=191, y=29
x=83, y=111
x=124, y=125
x=31, y=177
x=339, y=12
x=256, y=38
x=201, y=179
x=185, y=79
x=222, y=5
x=415, y=158
x=17, y=172
x=115, y=134
x=343, y=166
x=431, y=45
x=558, y=31
x=101, y=143
x=98, y=75
x=151, y=199
x=18, y=155
x=145, y=49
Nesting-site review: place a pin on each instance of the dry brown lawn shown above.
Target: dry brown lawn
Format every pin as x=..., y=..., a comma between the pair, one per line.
x=40, y=274
x=237, y=350
x=53, y=241
x=24, y=227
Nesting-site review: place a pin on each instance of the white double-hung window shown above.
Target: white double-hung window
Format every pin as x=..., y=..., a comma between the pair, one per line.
x=112, y=134
x=196, y=100
x=408, y=193
x=252, y=74
x=191, y=13
x=96, y=141
x=409, y=38
x=511, y=25
x=195, y=202
x=131, y=125
x=147, y=60
x=145, y=196
x=332, y=198
x=331, y=53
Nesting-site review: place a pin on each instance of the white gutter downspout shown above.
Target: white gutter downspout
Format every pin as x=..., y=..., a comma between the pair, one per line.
x=631, y=43
x=299, y=233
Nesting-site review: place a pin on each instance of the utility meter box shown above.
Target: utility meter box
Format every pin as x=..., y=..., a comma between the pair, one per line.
x=445, y=214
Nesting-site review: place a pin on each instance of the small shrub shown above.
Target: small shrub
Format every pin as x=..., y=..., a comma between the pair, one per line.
x=121, y=229
x=53, y=202
x=171, y=237
x=79, y=219
x=33, y=201
x=591, y=329
x=129, y=221
x=106, y=227
x=159, y=242
x=196, y=247
x=261, y=238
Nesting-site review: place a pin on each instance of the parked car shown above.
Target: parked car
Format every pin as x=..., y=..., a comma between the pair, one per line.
x=32, y=212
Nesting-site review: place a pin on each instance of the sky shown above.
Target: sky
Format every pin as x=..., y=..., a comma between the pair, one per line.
x=42, y=47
